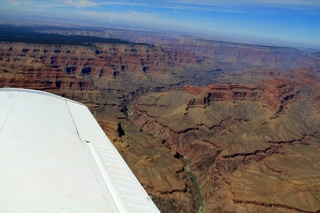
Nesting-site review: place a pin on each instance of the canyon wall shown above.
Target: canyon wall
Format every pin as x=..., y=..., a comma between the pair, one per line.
x=252, y=142
x=106, y=77
x=241, y=145
x=230, y=56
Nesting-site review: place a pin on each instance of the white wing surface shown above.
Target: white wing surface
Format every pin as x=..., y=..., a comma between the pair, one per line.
x=54, y=157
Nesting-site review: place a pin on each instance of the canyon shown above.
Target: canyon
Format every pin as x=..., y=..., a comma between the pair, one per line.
x=246, y=116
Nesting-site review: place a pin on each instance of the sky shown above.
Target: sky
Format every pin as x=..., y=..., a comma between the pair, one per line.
x=282, y=22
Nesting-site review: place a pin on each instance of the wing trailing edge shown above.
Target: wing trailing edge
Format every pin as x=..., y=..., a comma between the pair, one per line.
x=54, y=157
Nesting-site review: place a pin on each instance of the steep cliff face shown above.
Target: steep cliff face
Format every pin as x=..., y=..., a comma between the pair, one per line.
x=234, y=56
x=106, y=77
x=230, y=56
x=223, y=92
x=192, y=108
x=117, y=67
x=276, y=93
x=159, y=106
x=237, y=142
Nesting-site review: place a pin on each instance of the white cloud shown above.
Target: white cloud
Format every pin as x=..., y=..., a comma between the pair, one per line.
x=141, y=20
x=81, y=3
x=254, y=2
x=243, y=6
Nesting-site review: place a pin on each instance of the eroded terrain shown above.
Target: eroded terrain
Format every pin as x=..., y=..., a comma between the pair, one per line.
x=248, y=153
x=246, y=116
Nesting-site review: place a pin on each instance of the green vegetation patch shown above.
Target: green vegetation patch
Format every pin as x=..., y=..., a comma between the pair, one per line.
x=195, y=182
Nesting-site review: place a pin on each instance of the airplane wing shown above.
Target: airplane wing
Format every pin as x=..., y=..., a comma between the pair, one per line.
x=54, y=157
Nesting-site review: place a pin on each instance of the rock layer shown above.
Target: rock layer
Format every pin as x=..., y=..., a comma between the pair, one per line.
x=238, y=145
x=250, y=131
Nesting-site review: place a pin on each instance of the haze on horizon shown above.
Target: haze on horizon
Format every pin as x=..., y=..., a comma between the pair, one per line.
x=286, y=22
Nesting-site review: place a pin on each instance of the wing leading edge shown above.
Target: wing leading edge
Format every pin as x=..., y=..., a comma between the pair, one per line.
x=54, y=157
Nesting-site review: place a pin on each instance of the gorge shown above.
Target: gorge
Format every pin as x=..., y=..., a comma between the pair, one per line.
x=247, y=116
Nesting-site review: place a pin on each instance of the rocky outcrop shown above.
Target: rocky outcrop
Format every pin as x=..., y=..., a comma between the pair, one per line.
x=241, y=56
x=106, y=77
x=67, y=70
x=252, y=144
x=278, y=89
x=127, y=67
x=229, y=133
x=222, y=92
x=98, y=59
x=276, y=93
x=231, y=56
